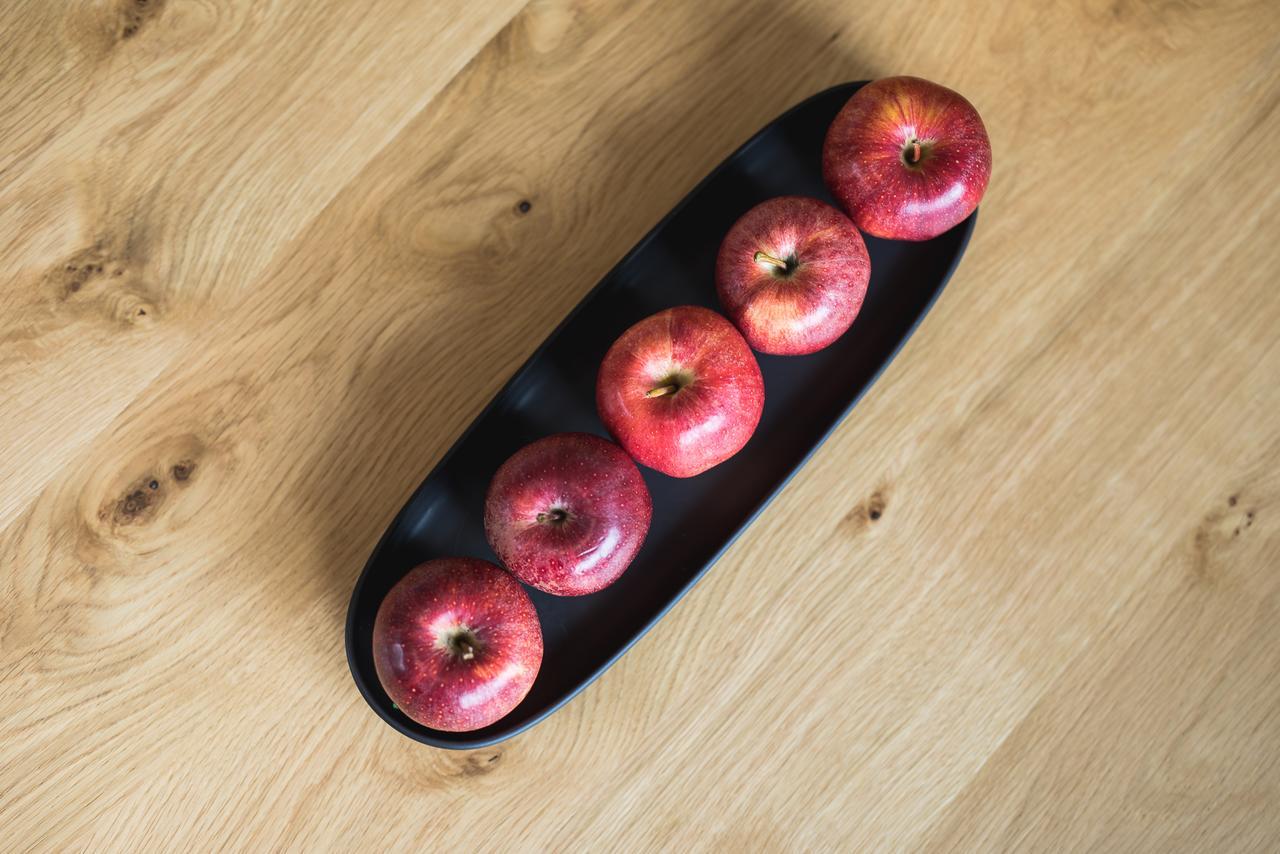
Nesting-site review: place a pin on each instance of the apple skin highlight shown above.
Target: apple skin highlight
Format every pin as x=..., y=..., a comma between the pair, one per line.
x=907, y=159
x=681, y=391
x=567, y=513
x=457, y=644
x=812, y=298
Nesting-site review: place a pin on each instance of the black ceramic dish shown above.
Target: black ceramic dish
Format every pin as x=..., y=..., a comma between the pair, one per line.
x=694, y=520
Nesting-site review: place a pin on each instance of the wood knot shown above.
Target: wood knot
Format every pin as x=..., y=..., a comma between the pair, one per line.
x=480, y=762
x=135, y=506
x=866, y=513
x=142, y=499
x=135, y=14
x=1214, y=538
x=83, y=269
x=93, y=282
x=875, y=506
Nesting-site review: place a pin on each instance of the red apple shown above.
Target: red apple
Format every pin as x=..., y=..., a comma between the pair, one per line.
x=907, y=159
x=680, y=391
x=792, y=273
x=567, y=513
x=457, y=644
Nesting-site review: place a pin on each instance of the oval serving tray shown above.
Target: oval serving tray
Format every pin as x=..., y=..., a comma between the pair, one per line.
x=694, y=520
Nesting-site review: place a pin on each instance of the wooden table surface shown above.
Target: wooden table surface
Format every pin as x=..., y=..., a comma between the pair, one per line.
x=1027, y=596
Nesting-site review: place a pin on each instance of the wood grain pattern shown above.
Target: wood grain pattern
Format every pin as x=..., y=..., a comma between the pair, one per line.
x=1035, y=571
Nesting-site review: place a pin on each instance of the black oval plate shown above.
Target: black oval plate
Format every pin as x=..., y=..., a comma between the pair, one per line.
x=694, y=520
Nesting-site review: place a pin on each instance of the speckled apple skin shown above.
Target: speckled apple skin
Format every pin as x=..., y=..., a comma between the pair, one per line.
x=434, y=686
x=807, y=308
x=605, y=509
x=703, y=424
x=862, y=159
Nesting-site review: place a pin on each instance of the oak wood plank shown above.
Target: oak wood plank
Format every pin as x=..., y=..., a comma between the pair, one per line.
x=1024, y=597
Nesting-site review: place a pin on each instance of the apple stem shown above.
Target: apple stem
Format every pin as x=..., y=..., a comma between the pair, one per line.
x=914, y=156
x=661, y=390
x=468, y=651
x=766, y=258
